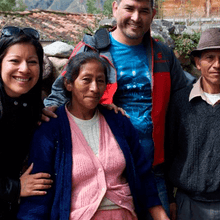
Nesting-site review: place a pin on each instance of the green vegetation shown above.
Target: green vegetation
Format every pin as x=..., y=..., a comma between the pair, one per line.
x=185, y=43
x=12, y=5
x=7, y=5
x=20, y=6
x=107, y=8
x=91, y=7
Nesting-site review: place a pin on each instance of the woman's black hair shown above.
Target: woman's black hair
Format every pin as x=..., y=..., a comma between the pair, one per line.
x=34, y=95
x=75, y=63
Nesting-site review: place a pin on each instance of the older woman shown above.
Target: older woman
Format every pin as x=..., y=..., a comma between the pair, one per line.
x=21, y=59
x=98, y=167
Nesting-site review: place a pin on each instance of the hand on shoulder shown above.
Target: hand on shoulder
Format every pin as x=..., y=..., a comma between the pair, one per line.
x=47, y=113
x=116, y=109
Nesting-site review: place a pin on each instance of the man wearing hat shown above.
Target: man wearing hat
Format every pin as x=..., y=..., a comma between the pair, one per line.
x=192, y=142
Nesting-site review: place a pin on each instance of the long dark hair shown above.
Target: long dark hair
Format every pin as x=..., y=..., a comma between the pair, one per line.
x=34, y=95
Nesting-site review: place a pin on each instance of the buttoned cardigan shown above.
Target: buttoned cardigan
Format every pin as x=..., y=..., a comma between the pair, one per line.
x=51, y=152
x=95, y=177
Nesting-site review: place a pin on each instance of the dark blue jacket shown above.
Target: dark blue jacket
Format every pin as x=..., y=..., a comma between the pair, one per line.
x=51, y=152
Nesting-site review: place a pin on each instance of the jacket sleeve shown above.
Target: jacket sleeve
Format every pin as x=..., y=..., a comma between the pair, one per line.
x=57, y=96
x=42, y=155
x=9, y=189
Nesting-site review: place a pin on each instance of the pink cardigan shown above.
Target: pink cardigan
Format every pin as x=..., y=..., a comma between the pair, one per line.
x=95, y=177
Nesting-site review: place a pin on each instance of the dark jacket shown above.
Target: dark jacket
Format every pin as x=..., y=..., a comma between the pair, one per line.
x=51, y=152
x=18, y=118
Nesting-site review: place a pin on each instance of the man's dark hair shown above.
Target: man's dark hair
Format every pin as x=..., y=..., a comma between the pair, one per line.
x=151, y=1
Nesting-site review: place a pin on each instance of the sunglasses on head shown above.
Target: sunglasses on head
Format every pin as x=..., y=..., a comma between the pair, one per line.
x=13, y=31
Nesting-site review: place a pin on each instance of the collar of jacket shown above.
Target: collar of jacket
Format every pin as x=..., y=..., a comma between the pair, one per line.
x=101, y=39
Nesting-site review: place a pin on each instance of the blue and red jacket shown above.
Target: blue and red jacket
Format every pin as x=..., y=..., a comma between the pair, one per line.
x=167, y=77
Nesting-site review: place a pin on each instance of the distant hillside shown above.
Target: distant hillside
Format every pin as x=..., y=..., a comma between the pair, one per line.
x=75, y=6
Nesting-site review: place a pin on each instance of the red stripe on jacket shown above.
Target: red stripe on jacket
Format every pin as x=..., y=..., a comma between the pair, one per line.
x=160, y=100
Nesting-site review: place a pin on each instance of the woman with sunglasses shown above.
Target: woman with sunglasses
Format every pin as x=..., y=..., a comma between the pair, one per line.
x=21, y=67
x=99, y=169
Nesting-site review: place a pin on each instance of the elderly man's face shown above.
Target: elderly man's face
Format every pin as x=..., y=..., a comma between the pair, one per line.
x=209, y=65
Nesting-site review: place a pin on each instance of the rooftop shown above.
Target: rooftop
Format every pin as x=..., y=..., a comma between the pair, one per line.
x=52, y=25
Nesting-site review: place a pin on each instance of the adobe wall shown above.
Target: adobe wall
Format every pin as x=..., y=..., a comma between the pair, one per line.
x=193, y=8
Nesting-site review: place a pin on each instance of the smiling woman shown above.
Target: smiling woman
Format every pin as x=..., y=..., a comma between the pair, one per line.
x=21, y=62
x=20, y=69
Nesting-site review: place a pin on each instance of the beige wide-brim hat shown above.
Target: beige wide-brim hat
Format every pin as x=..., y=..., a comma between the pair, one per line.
x=210, y=39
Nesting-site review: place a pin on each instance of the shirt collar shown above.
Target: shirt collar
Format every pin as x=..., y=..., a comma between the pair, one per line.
x=197, y=91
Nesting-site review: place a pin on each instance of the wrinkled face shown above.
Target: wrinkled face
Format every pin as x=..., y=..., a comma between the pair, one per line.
x=88, y=87
x=209, y=65
x=20, y=69
x=134, y=18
